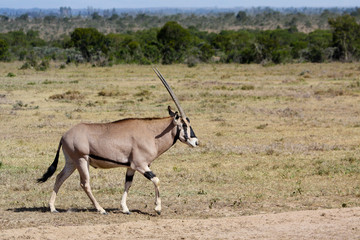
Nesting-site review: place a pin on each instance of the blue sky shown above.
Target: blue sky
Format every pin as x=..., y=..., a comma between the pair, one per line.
x=108, y=4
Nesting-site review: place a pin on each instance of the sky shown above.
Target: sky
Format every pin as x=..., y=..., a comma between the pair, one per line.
x=109, y=4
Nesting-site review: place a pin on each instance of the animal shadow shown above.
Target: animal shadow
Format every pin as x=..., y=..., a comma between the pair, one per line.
x=28, y=209
x=142, y=213
x=46, y=209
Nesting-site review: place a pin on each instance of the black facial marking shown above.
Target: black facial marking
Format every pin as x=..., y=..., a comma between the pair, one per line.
x=149, y=175
x=176, y=136
x=185, y=131
x=108, y=160
x=192, y=134
x=129, y=178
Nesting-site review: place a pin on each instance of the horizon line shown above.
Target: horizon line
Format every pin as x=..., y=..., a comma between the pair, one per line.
x=205, y=7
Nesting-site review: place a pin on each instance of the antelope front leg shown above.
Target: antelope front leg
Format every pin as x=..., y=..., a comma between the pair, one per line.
x=128, y=180
x=152, y=177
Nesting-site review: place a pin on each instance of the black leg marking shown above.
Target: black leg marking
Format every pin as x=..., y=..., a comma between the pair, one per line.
x=149, y=175
x=129, y=178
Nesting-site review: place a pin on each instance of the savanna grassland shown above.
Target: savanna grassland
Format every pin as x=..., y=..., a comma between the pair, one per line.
x=272, y=139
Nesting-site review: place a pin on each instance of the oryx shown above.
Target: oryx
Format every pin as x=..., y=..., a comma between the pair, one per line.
x=133, y=143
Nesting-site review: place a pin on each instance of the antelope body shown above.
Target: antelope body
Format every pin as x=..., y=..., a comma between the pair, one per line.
x=132, y=143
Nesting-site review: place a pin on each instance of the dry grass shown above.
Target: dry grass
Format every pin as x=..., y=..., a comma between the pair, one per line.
x=273, y=139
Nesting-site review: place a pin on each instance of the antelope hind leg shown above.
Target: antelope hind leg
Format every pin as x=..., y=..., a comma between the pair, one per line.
x=60, y=179
x=83, y=169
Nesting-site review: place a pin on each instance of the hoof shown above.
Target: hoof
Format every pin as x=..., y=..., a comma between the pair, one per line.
x=158, y=212
x=103, y=212
x=127, y=212
x=54, y=211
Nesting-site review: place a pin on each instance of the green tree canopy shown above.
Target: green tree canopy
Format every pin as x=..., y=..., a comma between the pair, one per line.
x=89, y=41
x=174, y=35
x=4, y=47
x=346, y=37
x=175, y=40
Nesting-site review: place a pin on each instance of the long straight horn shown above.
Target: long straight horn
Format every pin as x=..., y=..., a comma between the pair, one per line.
x=172, y=94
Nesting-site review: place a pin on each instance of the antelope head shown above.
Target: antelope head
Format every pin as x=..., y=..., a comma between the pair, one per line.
x=185, y=132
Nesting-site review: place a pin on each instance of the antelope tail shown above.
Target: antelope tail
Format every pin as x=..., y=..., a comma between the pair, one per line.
x=51, y=170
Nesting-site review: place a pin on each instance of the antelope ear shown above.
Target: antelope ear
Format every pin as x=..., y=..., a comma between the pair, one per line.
x=176, y=119
x=171, y=112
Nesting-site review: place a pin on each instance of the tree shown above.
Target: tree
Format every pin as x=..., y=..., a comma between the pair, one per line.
x=96, y=16
x=318, y=42
x=24, y=17
x=49, y=19
x=4, y=47
x=4, y=18
x=113, y=17
x=356, y=12
x=237, y=46
x=89, y=41
x=276, y=45
x=206, y=52
x=241, y=16
x=17, y=38
x=151, y=52
x=346, y=36
x=175, y=40
x=65, y=11
x=33, y=39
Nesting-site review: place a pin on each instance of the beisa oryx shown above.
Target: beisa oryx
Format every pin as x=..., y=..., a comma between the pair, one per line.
x=133, y=143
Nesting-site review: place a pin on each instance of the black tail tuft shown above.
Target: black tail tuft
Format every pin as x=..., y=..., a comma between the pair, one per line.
x=51, y=170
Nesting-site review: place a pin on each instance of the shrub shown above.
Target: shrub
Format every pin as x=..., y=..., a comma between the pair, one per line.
x=43, y=66
x=108, y=93
x=247, y=87
x=144, y=93
x=19, y=105
x=69, y=95
x=31, y=63
x=26, y=65
x=10, y=74
x=192, y=61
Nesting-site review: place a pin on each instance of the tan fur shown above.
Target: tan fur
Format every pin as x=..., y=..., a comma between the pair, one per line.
x=132, y=143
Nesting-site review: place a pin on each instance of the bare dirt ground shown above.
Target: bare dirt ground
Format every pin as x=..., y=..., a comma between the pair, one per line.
x=311, y=224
